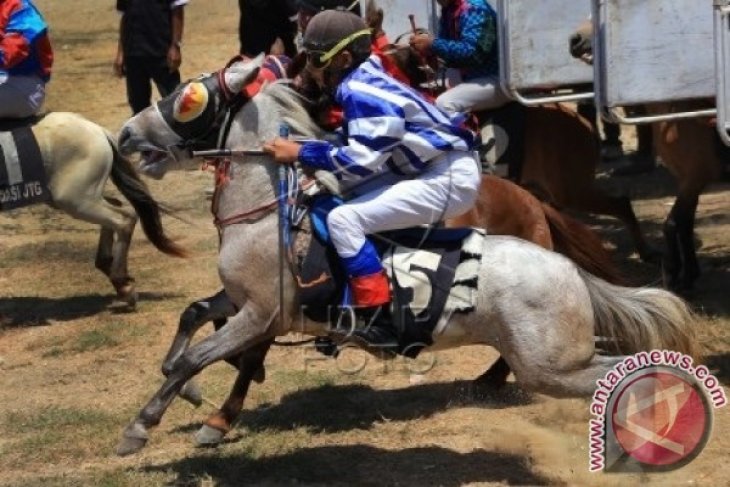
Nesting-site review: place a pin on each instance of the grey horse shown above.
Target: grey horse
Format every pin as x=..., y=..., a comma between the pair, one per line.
x=537, y=308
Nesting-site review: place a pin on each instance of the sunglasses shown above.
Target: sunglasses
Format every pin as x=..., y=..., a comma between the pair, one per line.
x=322, y=59
x=317, y=60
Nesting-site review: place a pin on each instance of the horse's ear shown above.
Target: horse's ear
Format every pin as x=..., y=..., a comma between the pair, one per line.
x=374, y=17
x=242, y=73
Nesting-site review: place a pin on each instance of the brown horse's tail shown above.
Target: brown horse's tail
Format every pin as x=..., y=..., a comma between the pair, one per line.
x=126, y=179
x=580, y=244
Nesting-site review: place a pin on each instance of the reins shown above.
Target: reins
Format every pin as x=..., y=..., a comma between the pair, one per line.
x=222, y=167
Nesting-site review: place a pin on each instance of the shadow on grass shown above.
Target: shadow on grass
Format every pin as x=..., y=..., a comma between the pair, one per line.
x=357, y=465
x=39, y=311
x=337, y=408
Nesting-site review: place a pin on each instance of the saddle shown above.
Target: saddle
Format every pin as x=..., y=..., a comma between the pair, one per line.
x=22, y=173
x=433, y=274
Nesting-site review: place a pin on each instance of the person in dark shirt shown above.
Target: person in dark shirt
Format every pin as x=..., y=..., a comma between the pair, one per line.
x=264, y=22
x=150, y=42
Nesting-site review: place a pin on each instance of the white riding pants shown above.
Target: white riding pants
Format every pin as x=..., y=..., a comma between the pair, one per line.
x=472, y=96
x=21, y=96
x=448, y=188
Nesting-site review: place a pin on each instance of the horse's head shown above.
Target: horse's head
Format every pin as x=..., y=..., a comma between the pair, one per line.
x=581, y=42
x=187, y=118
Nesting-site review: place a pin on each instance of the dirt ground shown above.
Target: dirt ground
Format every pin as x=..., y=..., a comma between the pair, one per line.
x=74, y=371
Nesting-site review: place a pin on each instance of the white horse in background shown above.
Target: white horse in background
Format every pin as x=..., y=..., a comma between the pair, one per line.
x=78, y=157
x=537, y=308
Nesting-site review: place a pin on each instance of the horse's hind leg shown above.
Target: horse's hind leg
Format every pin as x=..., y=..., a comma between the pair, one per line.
x=495, y=377
x=580, y=382
x=220, y=423
x=121, y=221
x=104, y=253
x=558, y=372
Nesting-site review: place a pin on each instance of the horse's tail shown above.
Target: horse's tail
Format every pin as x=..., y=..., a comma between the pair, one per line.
x=581, y=245
x=126, y=179
x=641, y=319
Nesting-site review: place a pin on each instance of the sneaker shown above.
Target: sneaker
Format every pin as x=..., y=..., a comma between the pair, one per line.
x=611, y=152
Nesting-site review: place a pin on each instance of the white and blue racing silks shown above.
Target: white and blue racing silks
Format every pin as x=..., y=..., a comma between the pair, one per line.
x=389, y=127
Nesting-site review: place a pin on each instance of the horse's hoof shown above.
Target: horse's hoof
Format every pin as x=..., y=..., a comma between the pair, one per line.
x=126, y=292
x=208, y=436
x=131, y=299
x=191, y=393
x=128, y=295
x=134, y=438
x=128, y=446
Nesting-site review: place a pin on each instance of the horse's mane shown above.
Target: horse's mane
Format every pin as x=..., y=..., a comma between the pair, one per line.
x=291, y=108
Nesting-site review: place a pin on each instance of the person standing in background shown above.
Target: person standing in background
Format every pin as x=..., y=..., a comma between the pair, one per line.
x=149, y=48
x=26, y=59
x=264, y=23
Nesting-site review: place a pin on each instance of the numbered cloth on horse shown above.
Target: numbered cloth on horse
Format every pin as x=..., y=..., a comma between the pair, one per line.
x=22, y=174
x=433, y=274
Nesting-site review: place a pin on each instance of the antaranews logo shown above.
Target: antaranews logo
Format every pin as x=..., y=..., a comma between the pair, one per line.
x=652, y=412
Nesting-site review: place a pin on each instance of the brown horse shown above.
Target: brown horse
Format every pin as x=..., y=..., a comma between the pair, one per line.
x=691, y=151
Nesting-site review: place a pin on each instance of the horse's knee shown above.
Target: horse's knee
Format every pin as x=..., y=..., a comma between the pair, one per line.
x=186, y=365
x=190, y=319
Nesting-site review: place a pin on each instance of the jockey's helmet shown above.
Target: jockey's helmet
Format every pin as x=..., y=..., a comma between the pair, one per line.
x=333, y=31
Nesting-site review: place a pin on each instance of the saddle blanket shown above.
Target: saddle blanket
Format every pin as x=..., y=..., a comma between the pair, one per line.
x=22, y=175
x=433, y=274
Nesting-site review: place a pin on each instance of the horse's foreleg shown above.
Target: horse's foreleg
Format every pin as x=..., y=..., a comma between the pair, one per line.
x=216, y=308
x=244, y=330
x=197, y=314
x=221, y=422
x=680, y=263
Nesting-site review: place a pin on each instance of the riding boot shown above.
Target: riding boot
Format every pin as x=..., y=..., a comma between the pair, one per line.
x=378, y=332
x=372, y=300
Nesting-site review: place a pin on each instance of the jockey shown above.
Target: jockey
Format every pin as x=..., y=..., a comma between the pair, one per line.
x=405, y=162
x=25, y=59
x=332, y=119
x=467, y=41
